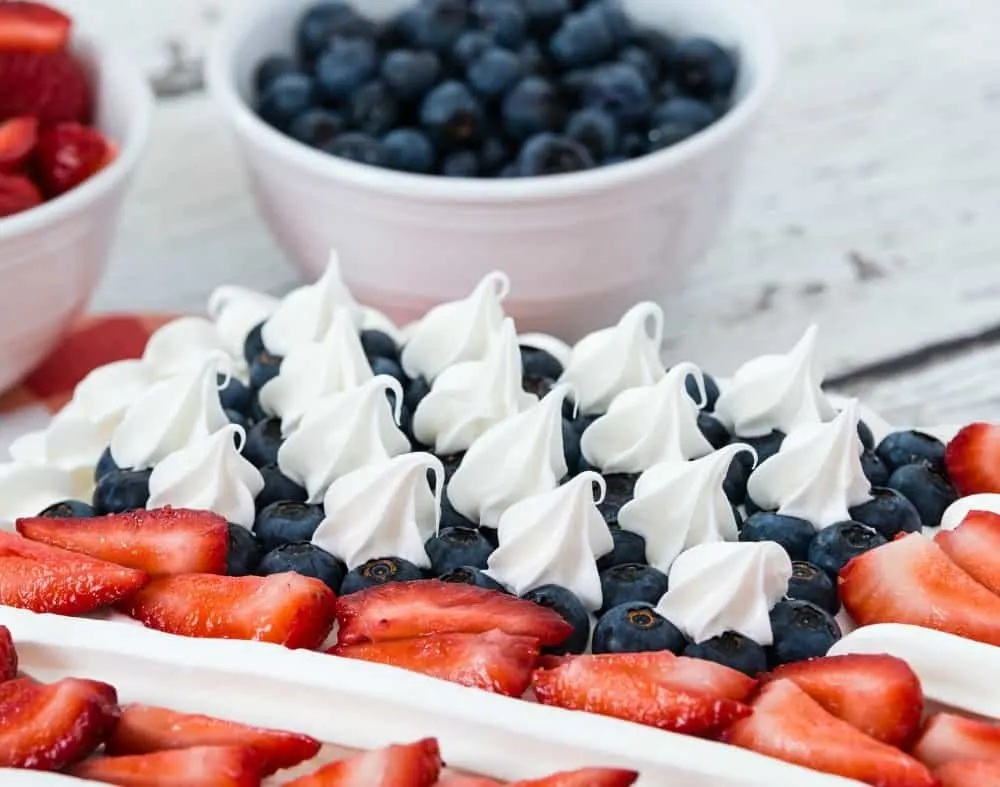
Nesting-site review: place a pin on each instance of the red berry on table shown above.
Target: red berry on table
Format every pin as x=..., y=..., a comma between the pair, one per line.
x=68, y=154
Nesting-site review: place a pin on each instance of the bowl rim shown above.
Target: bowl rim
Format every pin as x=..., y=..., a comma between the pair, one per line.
x=221, y=82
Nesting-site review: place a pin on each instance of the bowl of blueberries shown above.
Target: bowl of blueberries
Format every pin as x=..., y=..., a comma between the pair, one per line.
x=588, y=148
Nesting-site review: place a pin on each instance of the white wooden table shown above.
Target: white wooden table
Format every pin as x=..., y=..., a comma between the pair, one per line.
x=870, y=203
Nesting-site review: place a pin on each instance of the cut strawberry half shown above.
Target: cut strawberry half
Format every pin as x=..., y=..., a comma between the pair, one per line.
x=68, y=154
x=32, y=27
x=48, y=579
x=949, y=738
x=878, y=694
x=970, y=773
x=584, y=777
x=410, y=765
x=469, y=781
x=50, y=86
x=49, y=726
x=634, y=692
x=492, y=661
x=17, y=140
x=160, y=542
x=910, y=580
x=8, y=655
x=17, y=194
x=146, y=728
x=789, y=725
x=287, y=609
x=399, y=610
x=972, y=459
x=201, y=766
x=974, y=546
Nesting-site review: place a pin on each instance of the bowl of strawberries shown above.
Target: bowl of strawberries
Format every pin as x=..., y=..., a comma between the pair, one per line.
x=73, y=122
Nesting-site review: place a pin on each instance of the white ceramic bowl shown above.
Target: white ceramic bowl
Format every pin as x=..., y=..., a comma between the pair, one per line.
x=52, y=256
x=580, y=248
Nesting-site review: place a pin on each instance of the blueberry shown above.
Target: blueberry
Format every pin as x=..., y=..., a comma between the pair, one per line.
x=545, y=16
x=388, y=367
x=243, y=553
x=454, y=547
x=451, y=518
x=732, y=650
x=615, y=18
x=105, y=464
x=583, y=39
x=791, y=533
x=493, y=155
x=287, y=97
x=713, y=430
x=536, y=362
x=667, y=134
x=410, y=74
x=452, y=116
x=631, y=582
x=633, y=145
x=253, y=345
x=121, y=490
x=278, y=488
x=272, y=67
x=438, y=24
x=702, y=68
x=929, y=491
x=358, y=147
x=911, y=447
x=533, y=106
x=573, y=83
x=233, y=394
x=460, y=164
x=874, y=469
x=470, y=575
x=323, y=22
x=620, y=488
x=888, y=512
x=813, y=584
x=801, y=631
x=495, y=72
x=379, y=571
x=551, y=154
x=237, y=418
x=560, y=600
x=684, y=109
x=68, y=509
x=378, y=344
x=659, y=46
x=265, y=367
x=766, y=445
x=400, y=30
x=305, y=559
x=408, y=150
x=533, y=59
x=866, y=436
x=415, y=391
x=643, y=61
x=571, y=447
x=619, y=90
x=504, y=20
x=317, y=127
x=343, y=67
x=286, y=522
x=470, y=45
x=256, y=408
x=596, y=130
x=629, y=548
x=835, y=546
x=635, y=627
x=262, y=443
x=737, y=476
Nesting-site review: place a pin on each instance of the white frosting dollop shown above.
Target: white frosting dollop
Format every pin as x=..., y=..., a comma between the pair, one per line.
x=470, y=397
x=210, y=474
x=182, y=343
x=236, y=311
x=678, y=505
x=776, y=392
x=611, y=360
x=342, y=432
x=25, y=490
x=388, y=509
x=70, y=442
x=647, y=425
x=171, y=414
x=316, y=369
x=106, y=393
x=722, y=587
x=555, y=538
x=817, y=473
x=458, y=331
x=957, y=511
x=514, y=459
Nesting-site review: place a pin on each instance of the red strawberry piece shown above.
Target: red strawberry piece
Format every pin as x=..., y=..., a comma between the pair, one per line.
x=17, y=194
x=17, y=139
x=969, y=773
x=910, y=580
x=468, y=781
x=399, y=610
x=160, y=542
x=32, y=27
x=972, y=459
x=410, y=765
x=949, y=738
x=201, y=766
x=68, y=154
x=974, y=546
x=8, y=655
x=145, y=728
x=878, y=694
x=50, y=86
x=48, y=579
x=584, y=777
x=49, y=726
x=493, y=661
x=634, y=693
x=288, y=609
x=788, y=724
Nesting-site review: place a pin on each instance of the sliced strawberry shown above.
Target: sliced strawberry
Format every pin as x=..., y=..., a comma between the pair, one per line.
x=878, y=694
x=948, y=738
x=50, y=86
x=614, y=687
x=68, y=154
x=17, y=194
x=974, y=546
x=145, y=728
x=969, y=773
x=48, y=579
x=17, y=139
x=456, y=780
x=910, y=580
x=410, y=765
x=972, y=459
x=49, y=726
x=201, y=766
x=8, y=655
x=584, y=777
x=160, y=542
x=492, y=661
x=32, y=27
x=399, y=610
x=788, y=724
x=288, y=609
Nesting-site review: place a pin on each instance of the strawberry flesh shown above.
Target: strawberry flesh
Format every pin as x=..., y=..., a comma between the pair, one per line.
x=410, y=765
x=492, y=661
x=32, y=27
x=400, y=610
x=911, y=580
x=17, y=194
x=972, y=459
x=17, y=140
x=949, y=738
x=160, y=542
x=50, y=86
x=288, y=609
x=68, y=154
x=969, y=773
x=974, y=546
x=8, y=655
x=789, y=725
x=584, y=777
x=201, y=766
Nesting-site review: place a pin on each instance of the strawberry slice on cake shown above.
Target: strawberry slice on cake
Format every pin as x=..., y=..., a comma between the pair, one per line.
x=949, y=738
x=974, y=546
x=406, y=765
x=969, y=773
x=8, y=655
x=972, y=459
x=201, y=766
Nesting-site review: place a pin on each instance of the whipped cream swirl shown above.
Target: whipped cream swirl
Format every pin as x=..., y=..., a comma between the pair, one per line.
x=470, y=397
x=210, y=474
x=25, y=490
x=722, y=587
x=776, y=392
x=612, y=360
x=649, y=424
x=236, y=311
x=679, y=505
x=342, y=432
x=556, y=538
x=182, y=343
x=458, y=331
x=817, y=473
x=514, y=459
x=388, y=509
